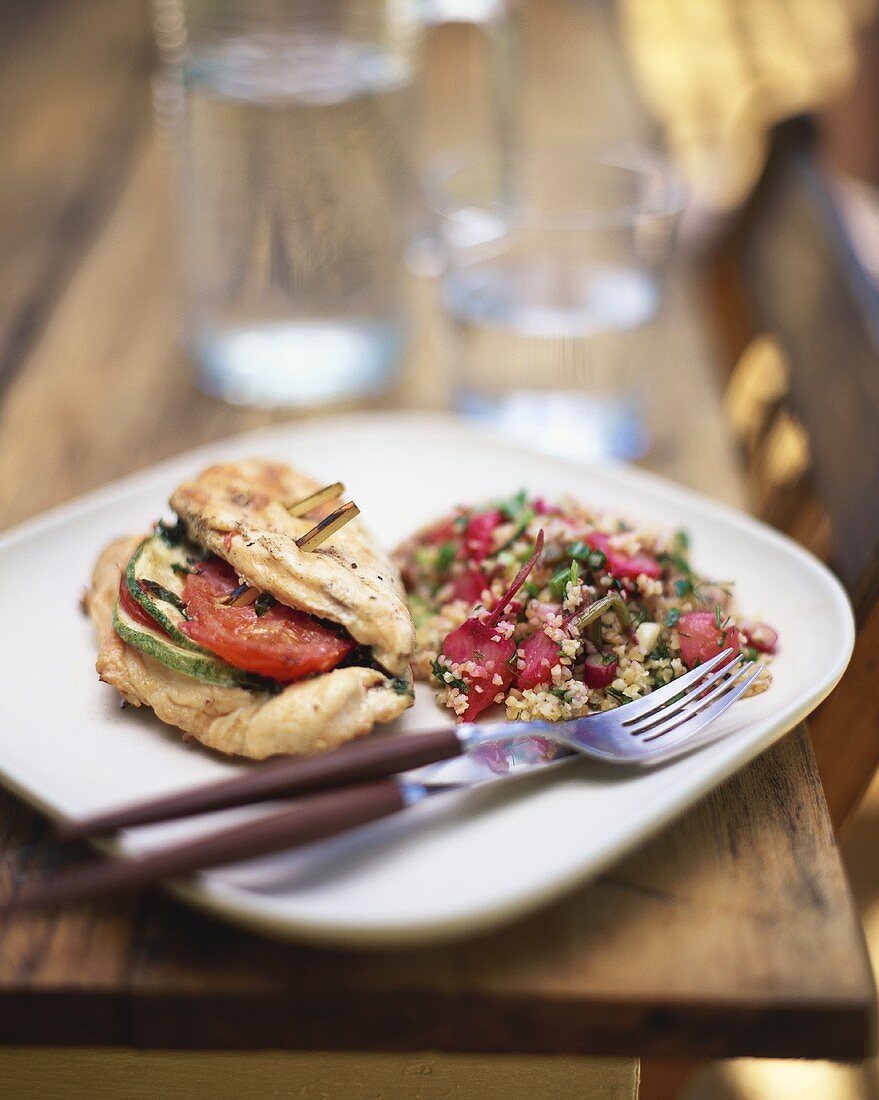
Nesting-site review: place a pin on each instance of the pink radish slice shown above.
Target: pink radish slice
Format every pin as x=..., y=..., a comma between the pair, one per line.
x=598, y=672
x=761, y=636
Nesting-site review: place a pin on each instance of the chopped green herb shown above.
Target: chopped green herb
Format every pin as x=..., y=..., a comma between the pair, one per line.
x=173, y=534
x=559, y=693
x=445, y=556
x=559, y=583
x=618, y=695
x=512, y=508
x=673, y=617
x=402, y=687
x=440, y=672
x=181, y=570
x=718, y=616
x=683, y=587
x=675, y=562
x=660, y=653
x=532, y=589
x=580, y=551
x=597, y=561
x=681, y=541
x=264, y=602
x=750, y=653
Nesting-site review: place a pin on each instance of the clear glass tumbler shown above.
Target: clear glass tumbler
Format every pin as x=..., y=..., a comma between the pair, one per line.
x=553, y=284
x=291, y=120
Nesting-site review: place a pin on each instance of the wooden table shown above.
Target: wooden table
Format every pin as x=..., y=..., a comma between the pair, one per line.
x=731, y=933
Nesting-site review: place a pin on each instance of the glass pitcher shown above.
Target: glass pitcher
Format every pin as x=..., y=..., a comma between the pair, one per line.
x=293, y=122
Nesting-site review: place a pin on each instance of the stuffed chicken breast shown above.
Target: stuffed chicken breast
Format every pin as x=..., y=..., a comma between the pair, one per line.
x=255, y=623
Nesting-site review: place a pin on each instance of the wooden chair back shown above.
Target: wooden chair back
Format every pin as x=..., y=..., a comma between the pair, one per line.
x=805, y=400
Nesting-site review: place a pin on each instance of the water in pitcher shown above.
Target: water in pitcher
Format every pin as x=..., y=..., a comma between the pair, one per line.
x=552, y=356
x=296, y=188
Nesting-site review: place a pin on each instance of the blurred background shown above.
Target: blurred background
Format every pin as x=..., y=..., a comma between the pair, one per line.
x=537, y=213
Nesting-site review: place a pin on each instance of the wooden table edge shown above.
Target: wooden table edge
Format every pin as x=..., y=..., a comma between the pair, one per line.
x=401, y=1021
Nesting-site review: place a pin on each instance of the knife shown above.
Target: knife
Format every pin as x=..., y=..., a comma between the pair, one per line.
x=310, y=818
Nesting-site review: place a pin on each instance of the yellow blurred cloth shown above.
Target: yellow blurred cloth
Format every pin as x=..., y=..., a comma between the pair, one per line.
x=717, y=74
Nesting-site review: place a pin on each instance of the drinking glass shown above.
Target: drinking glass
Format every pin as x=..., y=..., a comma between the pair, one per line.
x=293, y=130
x=553, y=284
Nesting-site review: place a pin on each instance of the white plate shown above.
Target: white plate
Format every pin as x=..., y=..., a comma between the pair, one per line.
x=456, y=863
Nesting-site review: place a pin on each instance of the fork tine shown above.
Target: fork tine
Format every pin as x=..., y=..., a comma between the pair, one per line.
x=641, y=708
x=698, y=691
x=690, y=722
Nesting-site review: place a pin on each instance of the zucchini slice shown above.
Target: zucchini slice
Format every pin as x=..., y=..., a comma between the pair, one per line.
x=155, y=576
x=200, y=665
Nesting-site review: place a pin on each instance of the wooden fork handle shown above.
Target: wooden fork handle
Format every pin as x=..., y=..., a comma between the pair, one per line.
x=356, y=762
x=314, y=817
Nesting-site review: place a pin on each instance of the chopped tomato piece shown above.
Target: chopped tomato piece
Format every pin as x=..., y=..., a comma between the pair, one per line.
x=283, y=644
x=469, y=586
x=444, y=531
x=478, y=641
x=133, y=609
x=624, y=566
x=479, y=536
x=540, y=653
x=491, y=655
x=702, y=639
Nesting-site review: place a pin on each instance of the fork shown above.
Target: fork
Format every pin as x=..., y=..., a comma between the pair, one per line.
x=645, y=733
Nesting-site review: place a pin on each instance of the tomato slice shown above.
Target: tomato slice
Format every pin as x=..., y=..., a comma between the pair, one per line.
x=702, y=639
x=283, y=644
x=133, y=609
x=624, y=566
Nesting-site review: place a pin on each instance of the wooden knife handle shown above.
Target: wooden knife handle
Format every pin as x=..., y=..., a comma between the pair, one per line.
x=369, y=758
x=314, y=817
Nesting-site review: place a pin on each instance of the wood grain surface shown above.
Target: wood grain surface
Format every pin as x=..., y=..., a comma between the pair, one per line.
x=731, y=933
